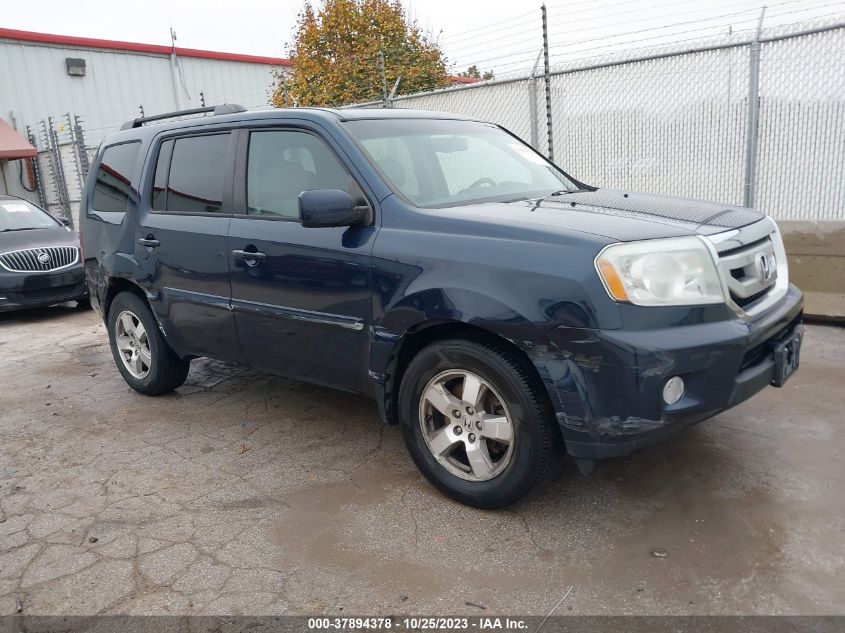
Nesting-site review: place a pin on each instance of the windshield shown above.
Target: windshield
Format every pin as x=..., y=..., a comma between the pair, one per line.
x=20, y=215
x=443, y=163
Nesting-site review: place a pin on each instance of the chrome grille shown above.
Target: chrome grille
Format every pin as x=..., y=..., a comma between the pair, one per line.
x=752, y=265
x=42, y=260
x=751, y=270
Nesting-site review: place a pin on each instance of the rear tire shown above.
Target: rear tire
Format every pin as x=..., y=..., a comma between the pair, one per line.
x=141, y=354
x=489, y=449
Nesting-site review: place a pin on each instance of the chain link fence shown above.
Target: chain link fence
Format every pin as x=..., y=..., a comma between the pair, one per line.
x=673, y=125
x=671, y=120
x=801, y=159
x=676, y=121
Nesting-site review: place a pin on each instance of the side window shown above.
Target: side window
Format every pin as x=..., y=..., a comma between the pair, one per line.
x=159, y=197
x=283, y=164
x=195, y=183
x=114, y=177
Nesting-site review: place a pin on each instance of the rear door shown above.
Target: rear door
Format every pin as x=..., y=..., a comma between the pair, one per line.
x=302, y=299
x=181, y=242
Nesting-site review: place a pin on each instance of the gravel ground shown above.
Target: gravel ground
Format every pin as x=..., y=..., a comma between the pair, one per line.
x=245, y=493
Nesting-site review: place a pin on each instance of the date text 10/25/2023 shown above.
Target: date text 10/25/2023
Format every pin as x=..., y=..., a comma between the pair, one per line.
x=419, y=623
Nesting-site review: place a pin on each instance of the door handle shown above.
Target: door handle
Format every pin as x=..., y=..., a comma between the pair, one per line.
x=249, y=256
x=150, y=241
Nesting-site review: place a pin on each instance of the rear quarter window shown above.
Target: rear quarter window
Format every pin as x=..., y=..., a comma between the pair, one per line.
x=113, y=184
x=195, y=179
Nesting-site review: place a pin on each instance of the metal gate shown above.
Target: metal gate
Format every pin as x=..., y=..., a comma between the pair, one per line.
x=61, y=165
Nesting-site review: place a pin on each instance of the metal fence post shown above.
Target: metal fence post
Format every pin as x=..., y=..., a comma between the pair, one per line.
x=532, y=104
x=383, y=74
x=753, y=116
x=77, y=162
x=57, y=168
x=46, y=143
x=79, y=135
x=64, y=195
x=548, y=82
x=175, y=72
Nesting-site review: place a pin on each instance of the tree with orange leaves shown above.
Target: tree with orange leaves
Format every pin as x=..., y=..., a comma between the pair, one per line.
x=336, y=58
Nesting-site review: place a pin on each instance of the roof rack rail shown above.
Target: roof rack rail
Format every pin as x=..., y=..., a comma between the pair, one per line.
x=223, y=108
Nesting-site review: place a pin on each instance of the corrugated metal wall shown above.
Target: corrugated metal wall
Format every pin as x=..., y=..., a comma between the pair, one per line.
x=34, y=84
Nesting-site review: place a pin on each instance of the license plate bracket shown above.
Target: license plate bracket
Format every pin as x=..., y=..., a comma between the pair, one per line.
x=787, y=354
x=44, y=281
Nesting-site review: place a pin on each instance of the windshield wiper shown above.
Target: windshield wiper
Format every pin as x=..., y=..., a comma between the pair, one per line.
x=559, y=192
x=25, y=228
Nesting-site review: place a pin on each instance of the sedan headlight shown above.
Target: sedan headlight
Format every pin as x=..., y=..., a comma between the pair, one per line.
x=661, y=272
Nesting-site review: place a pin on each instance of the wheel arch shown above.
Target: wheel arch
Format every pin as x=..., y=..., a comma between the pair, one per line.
x=430, y=331
x=117, y=285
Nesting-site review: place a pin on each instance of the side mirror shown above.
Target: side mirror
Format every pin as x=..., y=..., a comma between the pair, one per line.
x=330, y=207
x=65, y=221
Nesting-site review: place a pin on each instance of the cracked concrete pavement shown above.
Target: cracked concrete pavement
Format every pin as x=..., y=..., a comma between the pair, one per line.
x=245, y=493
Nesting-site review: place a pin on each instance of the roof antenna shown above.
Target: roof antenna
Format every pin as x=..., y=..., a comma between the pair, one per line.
x=176, y=74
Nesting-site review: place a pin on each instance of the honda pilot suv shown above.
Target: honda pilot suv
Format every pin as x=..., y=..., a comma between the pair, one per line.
x=496, y=308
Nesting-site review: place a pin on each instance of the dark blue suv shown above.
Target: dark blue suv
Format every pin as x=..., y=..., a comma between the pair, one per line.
x=493, y=306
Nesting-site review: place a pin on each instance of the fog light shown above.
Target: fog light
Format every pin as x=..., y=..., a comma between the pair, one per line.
x=673, y=390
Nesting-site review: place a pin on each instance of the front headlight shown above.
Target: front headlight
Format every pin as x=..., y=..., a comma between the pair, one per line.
x=661, y=272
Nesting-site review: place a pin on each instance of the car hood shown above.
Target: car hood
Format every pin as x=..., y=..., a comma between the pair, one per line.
x=622, y=215
x=37, y=238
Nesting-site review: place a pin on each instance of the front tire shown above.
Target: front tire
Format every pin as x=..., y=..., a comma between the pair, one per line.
x=141, y=354
x=476, y=422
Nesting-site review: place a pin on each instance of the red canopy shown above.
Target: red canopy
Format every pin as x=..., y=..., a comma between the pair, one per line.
x=13, y=145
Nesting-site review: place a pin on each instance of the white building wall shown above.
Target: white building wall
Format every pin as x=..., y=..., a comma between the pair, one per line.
x=34, y=85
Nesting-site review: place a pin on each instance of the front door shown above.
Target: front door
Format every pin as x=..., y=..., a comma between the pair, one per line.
x=301, y=296
x=182, y=248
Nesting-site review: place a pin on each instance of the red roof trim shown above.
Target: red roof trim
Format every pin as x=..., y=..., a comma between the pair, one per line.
x=464, y=80
x=155, y=49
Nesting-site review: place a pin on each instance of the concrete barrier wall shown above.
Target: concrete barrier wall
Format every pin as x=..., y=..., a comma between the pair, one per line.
x=816, y=252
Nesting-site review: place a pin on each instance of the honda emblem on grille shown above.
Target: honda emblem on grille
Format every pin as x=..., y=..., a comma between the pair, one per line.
x=765, y=266
x=44, y=258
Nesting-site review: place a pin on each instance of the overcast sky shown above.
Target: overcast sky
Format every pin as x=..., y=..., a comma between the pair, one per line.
x=502, y=35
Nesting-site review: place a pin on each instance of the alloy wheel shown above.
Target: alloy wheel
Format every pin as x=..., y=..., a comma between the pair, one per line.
x=133, y=344
x=466, y=425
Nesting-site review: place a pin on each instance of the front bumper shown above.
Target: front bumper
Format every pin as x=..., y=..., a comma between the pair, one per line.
x=20, y=291
x=606, y=387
